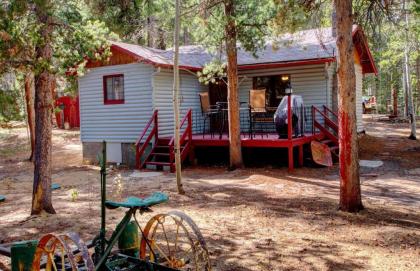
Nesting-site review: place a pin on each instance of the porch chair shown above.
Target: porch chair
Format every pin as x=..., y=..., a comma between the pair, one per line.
x=257, y=109
x=208, y=111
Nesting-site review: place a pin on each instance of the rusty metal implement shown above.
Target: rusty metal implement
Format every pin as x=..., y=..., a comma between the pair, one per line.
x=169, y=242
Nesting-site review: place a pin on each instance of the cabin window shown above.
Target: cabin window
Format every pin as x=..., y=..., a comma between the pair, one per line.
x=114, y=89
x=274, y=85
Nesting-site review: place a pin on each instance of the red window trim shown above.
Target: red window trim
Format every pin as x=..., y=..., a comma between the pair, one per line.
x=106, y=101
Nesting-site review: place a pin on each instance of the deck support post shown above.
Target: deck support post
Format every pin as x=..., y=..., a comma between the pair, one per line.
x=291, y=160
x=289, y=131
x=301, y=155
x=191, y=154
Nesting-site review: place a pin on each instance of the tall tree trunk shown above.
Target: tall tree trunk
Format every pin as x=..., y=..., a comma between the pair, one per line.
x=350, y=194
x=186, y=36
x=418, y=80
x=404, y=86
x=176, y=103
x=233, y=96
x=150, y=25
x=44, y=85
x=411, y=110
x=30, y=109
x=394, y=101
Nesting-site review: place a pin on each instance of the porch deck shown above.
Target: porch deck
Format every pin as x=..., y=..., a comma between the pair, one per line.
x=267, y=140
x=162, y=153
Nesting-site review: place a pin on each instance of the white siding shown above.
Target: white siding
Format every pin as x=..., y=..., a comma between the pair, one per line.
x=311, y=82
x=115, y=122
x=162, y=97
x=359, y=98
x=308, y=81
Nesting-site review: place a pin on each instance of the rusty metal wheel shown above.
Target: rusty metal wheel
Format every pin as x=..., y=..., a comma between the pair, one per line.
x=175, y=241
x=62, y=253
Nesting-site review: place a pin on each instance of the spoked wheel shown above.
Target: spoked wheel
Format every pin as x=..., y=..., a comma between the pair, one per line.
x=175, y=242
x=62, y=253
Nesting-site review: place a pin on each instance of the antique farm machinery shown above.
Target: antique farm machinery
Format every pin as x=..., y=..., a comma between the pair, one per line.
x=170, y=241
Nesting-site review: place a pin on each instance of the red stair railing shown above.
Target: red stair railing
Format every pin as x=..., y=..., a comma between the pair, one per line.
x=328, y=124
x=141, y=147
x=184, y=140
x=327, y=111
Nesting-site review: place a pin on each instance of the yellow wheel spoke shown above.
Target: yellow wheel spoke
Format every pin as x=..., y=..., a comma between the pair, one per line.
x=176, y=237
x=166, y=238
x=163, y=253
x=63, y=264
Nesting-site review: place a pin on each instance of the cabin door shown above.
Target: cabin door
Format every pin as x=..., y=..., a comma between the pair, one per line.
x=218, y=94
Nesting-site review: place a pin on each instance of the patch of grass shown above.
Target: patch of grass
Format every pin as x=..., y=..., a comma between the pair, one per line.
x=14, y=149
x=11, y=143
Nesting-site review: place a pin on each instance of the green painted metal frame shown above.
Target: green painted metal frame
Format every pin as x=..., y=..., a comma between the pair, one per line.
x=103, y=247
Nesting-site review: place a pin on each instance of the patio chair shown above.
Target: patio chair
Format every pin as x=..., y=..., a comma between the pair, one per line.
x=257, y=109
x=208, y=111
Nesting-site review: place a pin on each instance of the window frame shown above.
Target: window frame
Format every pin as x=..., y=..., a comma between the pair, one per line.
x=105, y=89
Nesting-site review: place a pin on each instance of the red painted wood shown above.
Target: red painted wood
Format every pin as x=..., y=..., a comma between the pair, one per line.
x=330, y=111
x=104, y=89
x=301, y=155
x=289, y=117
x=152, y=120
x=327, y=123
x=362, y=44
x=326, y=132
x=271, y=141
x=184, y=141
x=71, y=111
x=140, y=148
x=122, y=56
x=291, y=161
x=158, y=163
x=286, y=64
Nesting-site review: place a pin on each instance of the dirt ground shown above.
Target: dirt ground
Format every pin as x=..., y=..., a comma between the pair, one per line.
x=252, y=219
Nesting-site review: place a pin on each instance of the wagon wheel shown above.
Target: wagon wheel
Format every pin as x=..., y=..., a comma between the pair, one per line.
x=62, y=253
x=176, y=242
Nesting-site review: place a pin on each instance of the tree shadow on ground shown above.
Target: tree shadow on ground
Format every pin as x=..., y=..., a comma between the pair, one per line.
x=260, y=245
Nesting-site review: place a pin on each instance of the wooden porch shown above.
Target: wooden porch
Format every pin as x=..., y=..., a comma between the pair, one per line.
x=321, y=127
x=269, y=140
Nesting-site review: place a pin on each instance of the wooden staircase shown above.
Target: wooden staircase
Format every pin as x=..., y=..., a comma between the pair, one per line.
x=326, y=121
x=162, y=154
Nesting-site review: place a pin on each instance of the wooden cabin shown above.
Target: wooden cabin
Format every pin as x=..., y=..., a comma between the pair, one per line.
x=127, y=101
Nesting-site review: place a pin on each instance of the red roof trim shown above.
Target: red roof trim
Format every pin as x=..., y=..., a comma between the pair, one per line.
x=286, y=64
x=366, y=45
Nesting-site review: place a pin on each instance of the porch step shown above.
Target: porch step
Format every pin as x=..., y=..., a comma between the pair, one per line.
x=153, y=163
x=163, y=141
x=159, y=154
x=164, y=148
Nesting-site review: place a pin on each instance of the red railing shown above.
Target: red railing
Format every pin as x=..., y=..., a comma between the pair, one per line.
x=328, y=123
x=141, y=147
x=184, y=140
x=327, y=111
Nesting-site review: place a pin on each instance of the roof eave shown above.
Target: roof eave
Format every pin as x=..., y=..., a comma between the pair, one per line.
x=366, y=45
x=286, y=63
x=148, y=61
